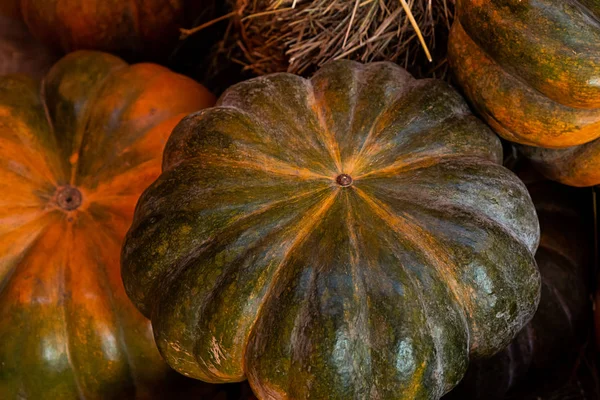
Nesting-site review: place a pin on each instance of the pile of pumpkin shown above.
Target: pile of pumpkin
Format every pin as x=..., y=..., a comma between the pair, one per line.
x=352, y=235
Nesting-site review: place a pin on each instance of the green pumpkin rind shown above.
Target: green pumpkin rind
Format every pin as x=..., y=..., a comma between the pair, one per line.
x=532, y=69
x=253, y=262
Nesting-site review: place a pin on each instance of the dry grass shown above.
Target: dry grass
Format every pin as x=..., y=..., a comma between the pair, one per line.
x=300, y=35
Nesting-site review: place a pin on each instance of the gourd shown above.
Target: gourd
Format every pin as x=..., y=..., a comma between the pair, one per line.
x=349, y=236
x=19, y=51
x=531, y=69
x=136, y=29
x=76, y=151
x=573, y=166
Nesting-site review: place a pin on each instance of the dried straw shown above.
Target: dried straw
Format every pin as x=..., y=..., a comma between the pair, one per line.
x=300, y=35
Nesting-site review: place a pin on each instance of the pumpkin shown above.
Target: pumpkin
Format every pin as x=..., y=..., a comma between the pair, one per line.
x=559, y=328
x=573, y=166
x=134, y=29
x=19, y=51
x=348, y=236
x=531, y=68
x=74, y=158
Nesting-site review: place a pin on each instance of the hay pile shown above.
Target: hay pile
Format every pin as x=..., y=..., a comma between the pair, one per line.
x=301, y=35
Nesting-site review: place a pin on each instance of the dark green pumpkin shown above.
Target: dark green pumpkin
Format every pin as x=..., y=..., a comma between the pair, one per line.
x=351, y=236
x=551, y=342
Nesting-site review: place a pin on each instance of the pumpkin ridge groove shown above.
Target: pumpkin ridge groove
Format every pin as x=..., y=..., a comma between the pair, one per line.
x=109, y=290
x=133, y=135
x=396, y=222
x=415, y=164
x=522, y=112
x=448, y=124
x=268, y=164
x=50, y=122
x=357, y=277
x=326, y=136
x=231, y=269
x=554, y=47
x=185, y=261
x=502, y=68
x=67, y=323
x=428, y=202
x=367, y=151
x=43, y=171
x=439, y=371
x=313, y=220
x=440, y=249
x=6, y=276
x=82, y=128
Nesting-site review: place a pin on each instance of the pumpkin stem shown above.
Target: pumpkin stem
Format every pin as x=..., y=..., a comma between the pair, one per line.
x=344, y=180
x=67, y=197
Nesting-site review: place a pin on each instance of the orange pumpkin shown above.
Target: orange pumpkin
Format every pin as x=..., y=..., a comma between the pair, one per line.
x=74, y=158
x=19, y=51
x=147, y=28
x=531, y=68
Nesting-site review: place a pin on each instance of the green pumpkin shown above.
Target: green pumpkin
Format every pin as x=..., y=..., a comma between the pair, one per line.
x=351, y=236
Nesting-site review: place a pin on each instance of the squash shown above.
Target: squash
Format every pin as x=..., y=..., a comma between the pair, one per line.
x=531, y=69
x=573, y=166
x=135, y=29
x=349, y=236
x=74, y=158
x=19, y=51
x=551, y=342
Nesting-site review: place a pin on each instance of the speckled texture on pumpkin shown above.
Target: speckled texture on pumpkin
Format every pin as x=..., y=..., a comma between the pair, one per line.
x=532, y=69
x=76, y=151
x=253, y=261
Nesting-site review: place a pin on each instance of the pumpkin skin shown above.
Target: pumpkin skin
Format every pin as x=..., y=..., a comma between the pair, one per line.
x=531, y=69
x=555, y=335
x=312, y=236
x=574, y=166
x=19, y=51
x=74, y=158
x=134, y=29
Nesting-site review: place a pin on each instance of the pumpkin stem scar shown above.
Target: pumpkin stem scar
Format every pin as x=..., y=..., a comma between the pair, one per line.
x=67, y=197
x=344, y=180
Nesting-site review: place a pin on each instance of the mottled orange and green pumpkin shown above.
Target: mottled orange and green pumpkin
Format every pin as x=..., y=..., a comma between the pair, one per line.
x=146, y=29
x=531, y=68
x=573, y=166
x=76, y=151
x=351, y=236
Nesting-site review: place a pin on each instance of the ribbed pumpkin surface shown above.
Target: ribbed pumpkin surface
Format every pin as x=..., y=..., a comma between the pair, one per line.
x=348, y=236
x=531, y=68
x=75, y=154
